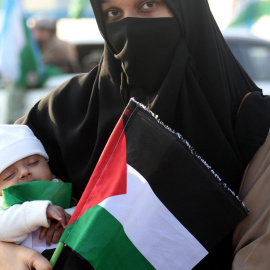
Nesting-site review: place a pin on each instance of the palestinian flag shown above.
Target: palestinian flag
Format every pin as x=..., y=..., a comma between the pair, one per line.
x=20, y=57
x=152, y=202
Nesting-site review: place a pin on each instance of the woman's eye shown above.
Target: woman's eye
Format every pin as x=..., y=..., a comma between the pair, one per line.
x=149, y=5
x=112, y=13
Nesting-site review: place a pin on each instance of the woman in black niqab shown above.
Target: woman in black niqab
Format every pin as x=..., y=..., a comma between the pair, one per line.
x=182, y=69
x=179, y=67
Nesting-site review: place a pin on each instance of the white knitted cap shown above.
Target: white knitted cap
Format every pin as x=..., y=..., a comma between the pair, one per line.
x=18, y=142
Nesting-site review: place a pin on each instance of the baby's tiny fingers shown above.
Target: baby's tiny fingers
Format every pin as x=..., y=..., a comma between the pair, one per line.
x=42, y=234
x=57, y=234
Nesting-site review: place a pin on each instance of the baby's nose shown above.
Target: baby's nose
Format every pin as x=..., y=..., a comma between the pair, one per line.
x=24, y=172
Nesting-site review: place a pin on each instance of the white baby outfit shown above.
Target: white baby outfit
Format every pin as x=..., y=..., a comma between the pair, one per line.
x=21, y=223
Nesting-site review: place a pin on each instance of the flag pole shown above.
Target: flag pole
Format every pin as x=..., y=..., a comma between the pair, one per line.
x=56, y=253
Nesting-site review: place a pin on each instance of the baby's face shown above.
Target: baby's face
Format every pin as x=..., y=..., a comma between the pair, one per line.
x=28, y=169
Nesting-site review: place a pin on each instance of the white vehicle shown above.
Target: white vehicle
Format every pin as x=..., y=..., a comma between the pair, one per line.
x=253, y=53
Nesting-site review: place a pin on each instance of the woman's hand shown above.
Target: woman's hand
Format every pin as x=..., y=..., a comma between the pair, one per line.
x=15, y=257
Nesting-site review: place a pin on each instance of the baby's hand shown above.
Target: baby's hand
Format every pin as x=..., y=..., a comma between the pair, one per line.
x=59, y=219
x=59, y=214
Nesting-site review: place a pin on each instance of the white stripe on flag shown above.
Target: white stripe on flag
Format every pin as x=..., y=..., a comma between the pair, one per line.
x=156, y=233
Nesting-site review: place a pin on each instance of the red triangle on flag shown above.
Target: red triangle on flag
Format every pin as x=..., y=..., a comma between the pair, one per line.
x=109, y=176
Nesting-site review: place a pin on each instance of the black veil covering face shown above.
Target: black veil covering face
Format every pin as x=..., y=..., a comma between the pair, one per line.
x=198, y=90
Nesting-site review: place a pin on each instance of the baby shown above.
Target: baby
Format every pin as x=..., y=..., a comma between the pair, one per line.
x=24, y=159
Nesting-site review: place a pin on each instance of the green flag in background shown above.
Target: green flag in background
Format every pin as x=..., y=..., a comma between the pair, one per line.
x=250, y=12
x=20, y=57
x=76, y=8
x=59, y=193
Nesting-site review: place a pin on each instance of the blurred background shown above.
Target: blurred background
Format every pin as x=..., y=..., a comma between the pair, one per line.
x=43, y=43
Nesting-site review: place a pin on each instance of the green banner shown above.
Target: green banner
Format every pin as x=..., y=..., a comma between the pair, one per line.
x=59, y=193
x=76, y=8
x=251, y=13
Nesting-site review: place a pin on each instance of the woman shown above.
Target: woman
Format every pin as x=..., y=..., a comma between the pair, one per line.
x=171, y=56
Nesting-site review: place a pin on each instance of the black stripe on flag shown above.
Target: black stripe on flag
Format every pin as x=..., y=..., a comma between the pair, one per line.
x=182, y=180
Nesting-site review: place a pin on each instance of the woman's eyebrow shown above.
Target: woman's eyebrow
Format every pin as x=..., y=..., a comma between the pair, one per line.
x=105, y=1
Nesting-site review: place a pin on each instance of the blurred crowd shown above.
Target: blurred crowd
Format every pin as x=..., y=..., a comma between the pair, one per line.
x=55, y=52
x=59, y=53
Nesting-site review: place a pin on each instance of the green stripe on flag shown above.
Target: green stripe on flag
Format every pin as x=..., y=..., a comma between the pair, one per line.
x=100, y=239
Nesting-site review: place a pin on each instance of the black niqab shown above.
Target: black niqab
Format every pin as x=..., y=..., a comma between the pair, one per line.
x=145, y=47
